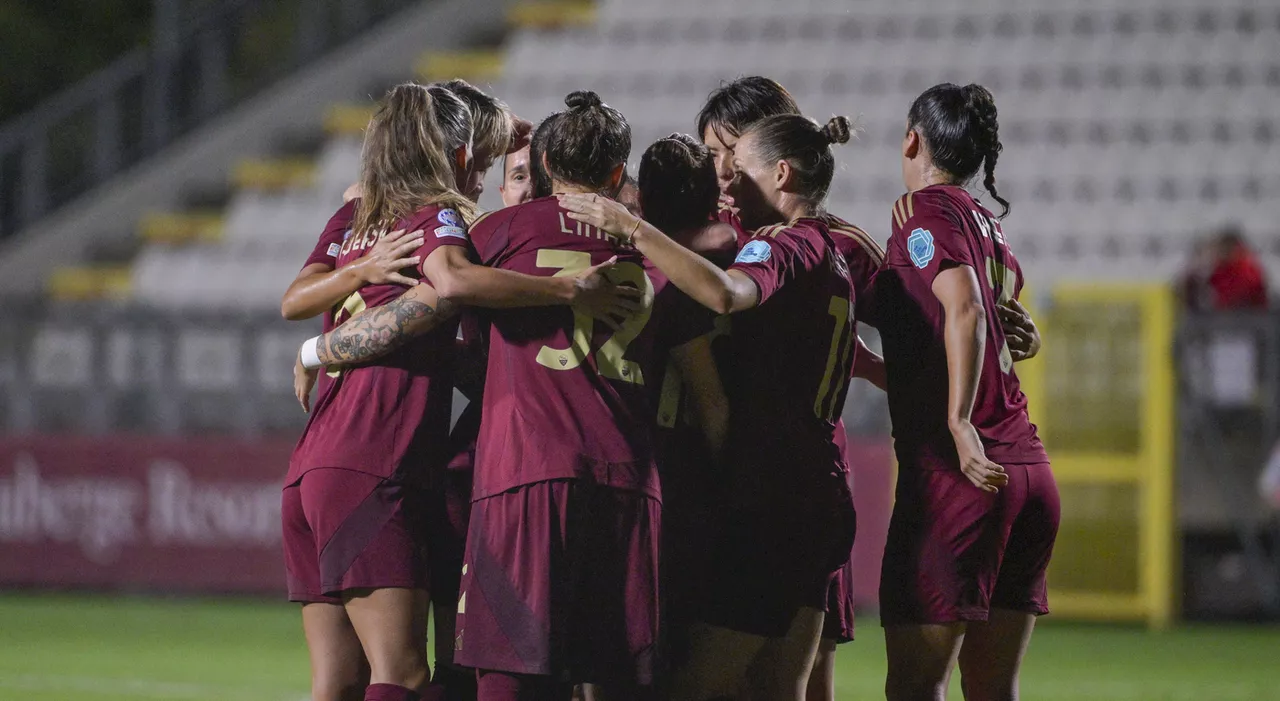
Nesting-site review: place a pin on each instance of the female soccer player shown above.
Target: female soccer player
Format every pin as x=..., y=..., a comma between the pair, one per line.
x=788, y=521
x=977, y=508
x=678, y=194
x=319, y=289
x=566, y=501
x=729, y=111
x=359, y=483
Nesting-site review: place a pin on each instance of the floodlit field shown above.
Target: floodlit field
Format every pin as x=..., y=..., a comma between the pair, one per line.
x=99, y=648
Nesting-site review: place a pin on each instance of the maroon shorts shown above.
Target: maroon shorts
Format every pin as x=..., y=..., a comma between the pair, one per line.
x=765, y=566
x=838, y=625
x=345, y=529
x=560, y=579
x=954, y=552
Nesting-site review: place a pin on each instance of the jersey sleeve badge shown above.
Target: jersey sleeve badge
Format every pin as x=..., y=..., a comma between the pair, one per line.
x=453, y=231
x=449, y=217
x=920, y=247
x=754, y=252
x=334, y=250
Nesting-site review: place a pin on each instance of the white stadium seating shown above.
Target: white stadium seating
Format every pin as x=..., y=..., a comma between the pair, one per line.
x=1131, y=127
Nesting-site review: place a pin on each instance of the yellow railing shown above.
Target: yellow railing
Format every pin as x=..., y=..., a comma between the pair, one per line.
x=1102, y=393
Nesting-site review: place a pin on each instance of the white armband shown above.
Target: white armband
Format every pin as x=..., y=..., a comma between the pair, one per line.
x=310, y=357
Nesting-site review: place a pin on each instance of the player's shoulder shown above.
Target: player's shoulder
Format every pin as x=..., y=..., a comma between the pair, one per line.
x=345, y=216
x=803, y=227
x=442, y=220
x=851, y=240
x=936, y=202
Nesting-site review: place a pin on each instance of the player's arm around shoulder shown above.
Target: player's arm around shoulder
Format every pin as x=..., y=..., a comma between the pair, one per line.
x=378, y=331
x=720, y=291
x=319, y=286
x=370, y=335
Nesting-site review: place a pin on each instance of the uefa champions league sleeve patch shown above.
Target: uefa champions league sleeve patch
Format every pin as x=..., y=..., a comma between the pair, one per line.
x=449, y=217
x=754, y=252
x=920, y=247
x=334, y=250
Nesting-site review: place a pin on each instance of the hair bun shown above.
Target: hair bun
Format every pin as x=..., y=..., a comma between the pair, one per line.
x=583, y=99
x=838, y=130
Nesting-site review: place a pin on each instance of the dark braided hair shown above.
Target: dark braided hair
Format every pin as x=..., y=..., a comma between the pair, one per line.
x=805, y=145
x=960, y=127
x=586, y=142
x=678, y=189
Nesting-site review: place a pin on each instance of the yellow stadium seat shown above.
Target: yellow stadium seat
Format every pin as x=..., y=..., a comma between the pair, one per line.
x=181, y=227
x=82, y=283
x=551, y=13
x=281, y=174
x=349, y=119
x=476, y=66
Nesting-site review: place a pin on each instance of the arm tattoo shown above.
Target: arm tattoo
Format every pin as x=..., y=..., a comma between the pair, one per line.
x=381, y=330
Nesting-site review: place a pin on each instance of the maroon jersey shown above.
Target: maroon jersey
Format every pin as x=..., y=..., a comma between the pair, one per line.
x=861, y=252
x=473, y=340
x=726, y=213
x=333, y=236
x=326, y=253
x=934, y=229
x=566, y=397
x=393, y=413
x=792, y=358
x=678, y=430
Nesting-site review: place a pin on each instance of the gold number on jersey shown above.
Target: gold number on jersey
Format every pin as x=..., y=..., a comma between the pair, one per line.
x=569, y=263
x=834, y=380
x=352, y=305
x=1002, y=280
x=609, y=359
x=671, y=397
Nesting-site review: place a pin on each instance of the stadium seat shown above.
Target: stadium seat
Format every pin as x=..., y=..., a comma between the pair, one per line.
x=1101, y=102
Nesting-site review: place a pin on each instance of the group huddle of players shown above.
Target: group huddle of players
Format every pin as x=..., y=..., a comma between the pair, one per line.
x=648, y=494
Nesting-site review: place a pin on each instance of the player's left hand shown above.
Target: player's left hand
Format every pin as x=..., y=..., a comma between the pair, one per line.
x=602, y=299
x=605, y=214
x=1019, y=330
x=303, y=380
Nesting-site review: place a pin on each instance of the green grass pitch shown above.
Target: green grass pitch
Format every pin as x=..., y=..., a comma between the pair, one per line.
x=105, y=648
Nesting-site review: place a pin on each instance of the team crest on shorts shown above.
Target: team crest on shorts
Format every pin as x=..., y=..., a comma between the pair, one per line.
x=920, y=246
x=449, y=217
x=755, y=252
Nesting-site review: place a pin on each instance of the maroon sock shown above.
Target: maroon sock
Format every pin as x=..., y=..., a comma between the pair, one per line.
x=451, y=684
x=500, y=686
x=390, y=692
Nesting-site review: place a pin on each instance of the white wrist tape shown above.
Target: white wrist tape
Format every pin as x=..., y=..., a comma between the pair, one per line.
x=310, y=356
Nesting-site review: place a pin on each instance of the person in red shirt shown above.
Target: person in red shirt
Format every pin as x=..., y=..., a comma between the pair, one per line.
x=977, y=508
x=1237, y=280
